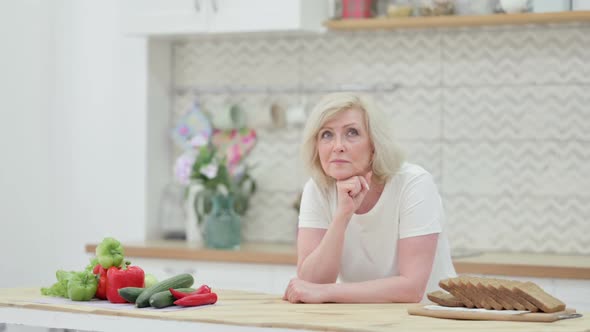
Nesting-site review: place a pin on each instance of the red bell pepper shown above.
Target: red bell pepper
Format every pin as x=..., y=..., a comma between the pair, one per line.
x=204, y=289
x=101, y=290
x=196, y=300
x=127, y=276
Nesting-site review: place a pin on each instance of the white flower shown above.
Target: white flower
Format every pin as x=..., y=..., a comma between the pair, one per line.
x=210, y=170
x=198, y=141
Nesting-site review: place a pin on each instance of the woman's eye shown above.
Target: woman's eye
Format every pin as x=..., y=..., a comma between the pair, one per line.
x=352, y=132
x=325, y=135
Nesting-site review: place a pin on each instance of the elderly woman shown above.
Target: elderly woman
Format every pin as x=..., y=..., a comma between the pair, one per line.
x=366, y=217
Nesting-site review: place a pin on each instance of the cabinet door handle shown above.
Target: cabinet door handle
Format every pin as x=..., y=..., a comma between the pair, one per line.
x=214, y=5
x=197, y=5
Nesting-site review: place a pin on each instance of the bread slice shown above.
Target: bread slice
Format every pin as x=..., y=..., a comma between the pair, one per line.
x=460, y=283
x=495, y=294
x=507, y=288
x=507, y=302
x=491, y=297
x=475, y=295
x=537, y=296
x=444, y=299
x=449, y=286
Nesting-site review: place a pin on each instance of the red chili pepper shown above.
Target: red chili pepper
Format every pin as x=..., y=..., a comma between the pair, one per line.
x=127, y=276
x=101, y=290
x=197, y=300
x=204, y=289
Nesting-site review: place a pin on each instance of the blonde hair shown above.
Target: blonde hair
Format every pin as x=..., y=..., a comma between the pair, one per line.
x=387, y=156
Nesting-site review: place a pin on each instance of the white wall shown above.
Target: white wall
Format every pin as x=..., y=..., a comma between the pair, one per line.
x=25, y=107
x=72, y=128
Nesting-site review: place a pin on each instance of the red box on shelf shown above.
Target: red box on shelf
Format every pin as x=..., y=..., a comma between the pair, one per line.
x=356, y=8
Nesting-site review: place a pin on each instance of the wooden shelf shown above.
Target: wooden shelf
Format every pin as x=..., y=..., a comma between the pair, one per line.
x=458, y=21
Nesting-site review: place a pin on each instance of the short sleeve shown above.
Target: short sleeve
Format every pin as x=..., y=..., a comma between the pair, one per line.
x=421, y=210
x=313, y=211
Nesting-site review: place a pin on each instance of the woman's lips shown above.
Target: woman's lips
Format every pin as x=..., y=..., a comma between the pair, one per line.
x=339, y=161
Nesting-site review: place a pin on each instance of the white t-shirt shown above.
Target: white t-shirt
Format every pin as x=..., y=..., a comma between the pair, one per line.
x=410, y=205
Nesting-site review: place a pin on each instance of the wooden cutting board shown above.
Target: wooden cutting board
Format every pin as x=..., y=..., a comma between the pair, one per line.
x=474, y=314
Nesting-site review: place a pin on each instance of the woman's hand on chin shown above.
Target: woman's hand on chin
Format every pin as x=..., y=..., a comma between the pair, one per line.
x=352, y=192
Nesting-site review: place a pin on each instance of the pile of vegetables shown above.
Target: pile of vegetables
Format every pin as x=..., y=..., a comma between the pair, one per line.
x=110, y=277
x=102, y=278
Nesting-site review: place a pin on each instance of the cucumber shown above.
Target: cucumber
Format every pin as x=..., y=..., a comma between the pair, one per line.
x=165, y=299
x=130, y=293
x=180, y=281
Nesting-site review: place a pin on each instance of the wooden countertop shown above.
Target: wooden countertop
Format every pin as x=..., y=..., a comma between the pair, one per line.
x=236, y=308
x=490, y=263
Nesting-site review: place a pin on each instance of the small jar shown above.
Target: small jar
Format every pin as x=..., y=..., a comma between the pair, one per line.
x=399, y=8
x=515, y=6
x=551, y=6
x=475, y=7
x=434, y=7
x=580, y=4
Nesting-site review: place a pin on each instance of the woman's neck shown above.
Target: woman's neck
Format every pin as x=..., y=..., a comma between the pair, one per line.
x=371, y=198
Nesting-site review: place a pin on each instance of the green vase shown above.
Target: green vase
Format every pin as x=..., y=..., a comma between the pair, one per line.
x=222, y=226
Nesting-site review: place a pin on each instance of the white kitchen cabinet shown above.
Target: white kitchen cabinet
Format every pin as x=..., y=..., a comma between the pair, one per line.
x=575, y=293
x=263, y=278
x=180, y=17
x=161, y=17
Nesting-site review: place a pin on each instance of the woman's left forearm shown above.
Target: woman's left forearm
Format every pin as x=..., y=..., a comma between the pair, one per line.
x=393, y=289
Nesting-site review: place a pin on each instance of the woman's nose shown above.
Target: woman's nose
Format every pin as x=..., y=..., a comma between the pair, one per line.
x=338, y=144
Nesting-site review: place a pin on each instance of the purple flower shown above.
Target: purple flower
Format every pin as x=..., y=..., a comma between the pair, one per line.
x=184, y=166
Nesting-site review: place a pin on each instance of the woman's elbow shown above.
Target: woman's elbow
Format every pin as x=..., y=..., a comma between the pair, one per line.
x=413, y=293
x=417, y=293
x=417, y=297
x=409, y=296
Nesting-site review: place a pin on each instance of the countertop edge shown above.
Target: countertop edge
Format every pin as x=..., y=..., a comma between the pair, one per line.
x=208, y=255
x=523, y=270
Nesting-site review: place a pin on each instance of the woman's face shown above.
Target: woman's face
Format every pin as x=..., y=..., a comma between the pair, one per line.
x=344, y=146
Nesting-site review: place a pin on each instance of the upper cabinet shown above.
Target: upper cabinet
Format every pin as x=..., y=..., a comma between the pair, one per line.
x=177, y=17
x=146, y=17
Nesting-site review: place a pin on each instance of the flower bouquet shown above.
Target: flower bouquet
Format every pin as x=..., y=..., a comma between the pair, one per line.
x=214, y=158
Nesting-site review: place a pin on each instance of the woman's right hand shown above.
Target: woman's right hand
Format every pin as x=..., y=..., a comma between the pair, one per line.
x=351, y=193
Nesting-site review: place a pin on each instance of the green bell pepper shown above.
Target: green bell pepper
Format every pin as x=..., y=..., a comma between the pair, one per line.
x=109, y=253
x=60, y=288
x=82, y=286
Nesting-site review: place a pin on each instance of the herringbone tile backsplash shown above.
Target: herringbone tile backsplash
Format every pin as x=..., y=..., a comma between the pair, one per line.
x=500, y=117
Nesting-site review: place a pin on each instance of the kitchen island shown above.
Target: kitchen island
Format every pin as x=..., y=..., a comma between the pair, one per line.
x=245, y=311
